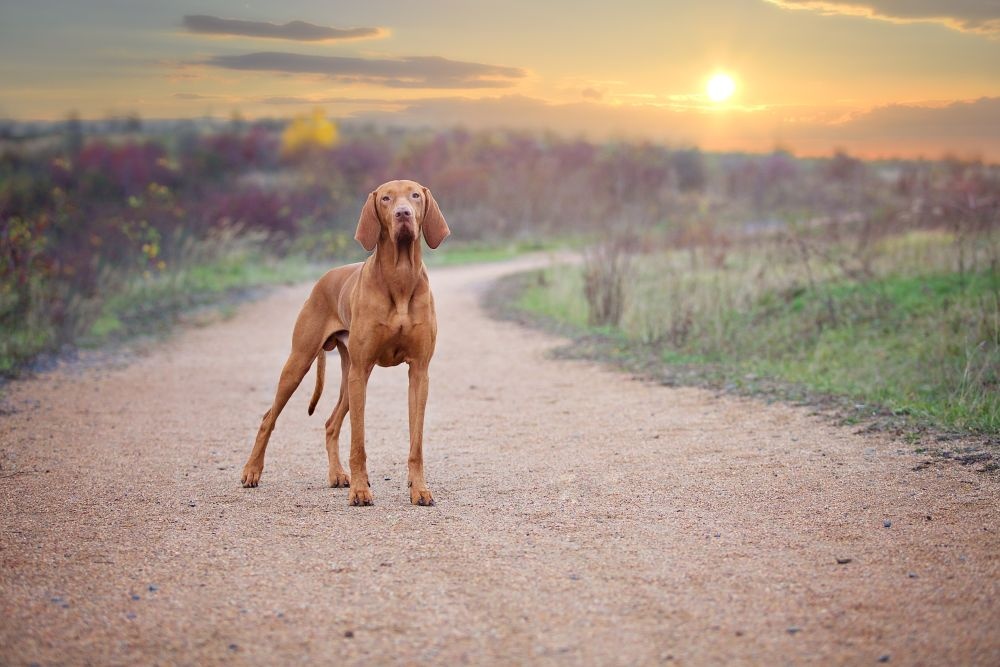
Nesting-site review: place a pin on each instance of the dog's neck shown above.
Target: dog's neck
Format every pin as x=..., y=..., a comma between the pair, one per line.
x=401, y=266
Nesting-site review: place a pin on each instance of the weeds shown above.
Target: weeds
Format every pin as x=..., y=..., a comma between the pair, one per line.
x=913, y=334
x=606, y=268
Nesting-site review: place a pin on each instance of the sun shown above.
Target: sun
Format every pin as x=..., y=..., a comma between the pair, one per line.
x=720, y=87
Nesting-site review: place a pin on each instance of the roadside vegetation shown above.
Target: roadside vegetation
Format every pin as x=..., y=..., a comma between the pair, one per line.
x=896, y=309
x=111, y=228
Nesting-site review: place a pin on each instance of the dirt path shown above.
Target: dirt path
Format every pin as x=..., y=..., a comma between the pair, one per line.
x=582, y=517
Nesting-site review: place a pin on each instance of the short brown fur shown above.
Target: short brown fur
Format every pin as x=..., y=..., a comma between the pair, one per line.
x=379, y=312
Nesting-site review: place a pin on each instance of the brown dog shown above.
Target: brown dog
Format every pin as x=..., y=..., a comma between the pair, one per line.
x=377, y=312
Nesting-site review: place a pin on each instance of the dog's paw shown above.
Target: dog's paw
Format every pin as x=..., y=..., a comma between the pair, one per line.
x=251, y=475
x=339, y=479
x=360, y=496
x=421, y=497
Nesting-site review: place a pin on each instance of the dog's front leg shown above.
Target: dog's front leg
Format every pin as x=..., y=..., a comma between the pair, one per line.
x=357, y=385
x=419, y=493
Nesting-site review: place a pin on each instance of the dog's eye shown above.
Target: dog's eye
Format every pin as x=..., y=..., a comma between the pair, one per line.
x=386, y=197
x=416, y=195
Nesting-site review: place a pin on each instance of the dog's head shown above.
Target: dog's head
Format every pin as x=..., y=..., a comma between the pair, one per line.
x=399, y=211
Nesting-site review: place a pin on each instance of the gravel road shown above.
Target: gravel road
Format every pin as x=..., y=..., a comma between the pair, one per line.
x=582, y=517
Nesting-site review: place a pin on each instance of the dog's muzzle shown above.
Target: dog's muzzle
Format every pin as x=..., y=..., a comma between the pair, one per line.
x=405, y=226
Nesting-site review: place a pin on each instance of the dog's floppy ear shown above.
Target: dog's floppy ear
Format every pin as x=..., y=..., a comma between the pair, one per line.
x=369, y=226
x=434, y=226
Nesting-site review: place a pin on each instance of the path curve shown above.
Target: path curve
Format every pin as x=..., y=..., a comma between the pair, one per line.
x=582, y=517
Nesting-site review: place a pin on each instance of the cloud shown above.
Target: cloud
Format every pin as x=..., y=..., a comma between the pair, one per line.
x=974, y=16
x=411, y=72
x=299, y=31
x=278, y=100
x=591, y=94
x=965, y=127
x=965, y=120
x=194, y=96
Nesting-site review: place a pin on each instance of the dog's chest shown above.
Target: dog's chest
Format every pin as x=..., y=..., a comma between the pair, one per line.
x=401, y=335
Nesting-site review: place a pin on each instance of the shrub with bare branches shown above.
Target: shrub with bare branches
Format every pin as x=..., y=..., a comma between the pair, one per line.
x=606, y=268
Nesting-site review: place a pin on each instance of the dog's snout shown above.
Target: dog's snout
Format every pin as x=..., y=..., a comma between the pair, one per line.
x=404, y=213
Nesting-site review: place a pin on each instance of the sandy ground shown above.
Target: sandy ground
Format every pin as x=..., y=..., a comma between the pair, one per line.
x=582, y=517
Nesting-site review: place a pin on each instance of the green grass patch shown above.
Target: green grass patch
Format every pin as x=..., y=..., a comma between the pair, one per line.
x=926, y=346
x=558, y=294
x=150, y=303
x=922, y=346
x=455, y=253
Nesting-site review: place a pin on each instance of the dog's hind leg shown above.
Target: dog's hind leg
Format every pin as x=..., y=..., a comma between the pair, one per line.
x=337, y=476
x=306, y=342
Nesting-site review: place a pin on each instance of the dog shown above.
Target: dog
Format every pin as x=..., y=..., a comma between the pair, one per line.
x=380, y=311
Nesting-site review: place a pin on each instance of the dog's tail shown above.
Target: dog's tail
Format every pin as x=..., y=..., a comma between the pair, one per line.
x=320, y=376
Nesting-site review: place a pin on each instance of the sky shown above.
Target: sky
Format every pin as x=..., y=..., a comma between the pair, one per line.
x=878, y=78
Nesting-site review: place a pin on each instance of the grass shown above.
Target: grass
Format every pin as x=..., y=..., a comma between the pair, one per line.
x=216, y=274
x=915, y=339
x=147, y=304
x=916, y=345
x=141, y=305
x=456, y=253
x=130, y=304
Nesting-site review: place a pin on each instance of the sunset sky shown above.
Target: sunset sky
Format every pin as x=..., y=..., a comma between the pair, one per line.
x=877, y=77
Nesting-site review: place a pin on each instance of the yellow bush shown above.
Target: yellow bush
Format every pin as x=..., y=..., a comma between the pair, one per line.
x=308, y=131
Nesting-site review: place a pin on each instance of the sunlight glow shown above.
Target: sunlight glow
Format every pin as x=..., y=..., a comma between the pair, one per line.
x=720, y=87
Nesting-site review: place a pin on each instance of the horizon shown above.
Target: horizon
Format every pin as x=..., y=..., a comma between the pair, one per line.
x=805, y=76
x=349, y=123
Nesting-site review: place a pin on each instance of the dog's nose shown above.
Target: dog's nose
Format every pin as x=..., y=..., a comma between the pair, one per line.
x=403, y=214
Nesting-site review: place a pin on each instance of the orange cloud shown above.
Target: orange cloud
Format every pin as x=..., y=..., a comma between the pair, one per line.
x=974, y=16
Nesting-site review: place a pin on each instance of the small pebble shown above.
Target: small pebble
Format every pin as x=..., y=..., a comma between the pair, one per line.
x=130, y=616
x=136, y=597
x=912, y=575
x=884, y=657
x=887, y=523
x=844, y=561
x=233, y=647
x=574, y=577
x=152, y=588
x=349, y=633
x=792, y=630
